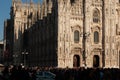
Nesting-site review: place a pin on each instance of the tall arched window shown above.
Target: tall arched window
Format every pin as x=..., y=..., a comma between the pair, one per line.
x=96, y=16
x=96, y=37
x=76, y=36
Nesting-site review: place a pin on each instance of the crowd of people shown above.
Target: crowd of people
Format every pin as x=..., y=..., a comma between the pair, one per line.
x=25, y=73
x=18, y=73
x=87, y=74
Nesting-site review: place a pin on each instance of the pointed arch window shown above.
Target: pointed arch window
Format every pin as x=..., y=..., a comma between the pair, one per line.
x=96, y=37
x=96, y=16
x=76, y=36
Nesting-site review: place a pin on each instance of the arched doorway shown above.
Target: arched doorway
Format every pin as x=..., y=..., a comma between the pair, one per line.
x=96, y=61
x=76, y=61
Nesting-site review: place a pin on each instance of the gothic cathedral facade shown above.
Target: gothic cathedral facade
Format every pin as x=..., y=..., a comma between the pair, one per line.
x=67, y=33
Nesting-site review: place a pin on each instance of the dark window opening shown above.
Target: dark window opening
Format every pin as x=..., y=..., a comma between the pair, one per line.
x=96, y=60
x=96, y=37
x=76, y=36
x=76, y=61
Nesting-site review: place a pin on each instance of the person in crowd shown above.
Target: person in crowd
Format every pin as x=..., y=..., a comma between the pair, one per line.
x=6, y=73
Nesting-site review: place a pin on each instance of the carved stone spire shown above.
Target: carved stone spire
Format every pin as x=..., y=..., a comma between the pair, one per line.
x=60, y=1
x=50, y=6
x=31, y=1
x=39, y=9
x=19, y=1
x=13, y=2
x=45, y=7
x=38, y=5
